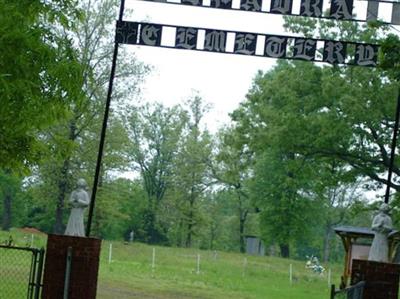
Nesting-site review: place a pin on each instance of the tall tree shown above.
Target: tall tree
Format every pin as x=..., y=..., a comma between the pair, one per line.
x=155, y=132
x=271, y=123
x=231, y=168
x=336, y=190
x=191, y=176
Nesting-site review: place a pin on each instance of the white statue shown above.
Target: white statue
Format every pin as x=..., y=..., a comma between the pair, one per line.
x=382, y=226
x=79, y=200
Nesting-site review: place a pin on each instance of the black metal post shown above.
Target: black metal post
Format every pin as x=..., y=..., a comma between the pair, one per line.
x=67, y=273
x=39, y=274
x=104, y=128
x=393, y=149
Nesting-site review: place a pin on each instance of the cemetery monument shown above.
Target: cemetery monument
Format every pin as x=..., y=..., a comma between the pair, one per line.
x=79, y=200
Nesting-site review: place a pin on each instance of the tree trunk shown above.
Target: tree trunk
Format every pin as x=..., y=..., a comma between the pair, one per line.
x=242, y=222
x=285, y=250
x=190, y=225
x=189, y=229
x=62, y=190
x=6, y=223
x=179, y=240
x=63, y=184
x=189, y=235
x=327, y=245
x=212, y=236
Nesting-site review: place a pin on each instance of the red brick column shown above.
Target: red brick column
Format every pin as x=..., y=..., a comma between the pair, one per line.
x=84, y=267
x=382, y=279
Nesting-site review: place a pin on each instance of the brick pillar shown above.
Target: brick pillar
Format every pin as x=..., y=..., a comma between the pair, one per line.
x=382, y=279
x=84, y=267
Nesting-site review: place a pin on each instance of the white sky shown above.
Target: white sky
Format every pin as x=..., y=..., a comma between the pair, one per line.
x=221, y=79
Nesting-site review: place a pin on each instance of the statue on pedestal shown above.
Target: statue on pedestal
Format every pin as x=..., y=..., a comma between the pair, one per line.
x=79, y=200
x=382, y=226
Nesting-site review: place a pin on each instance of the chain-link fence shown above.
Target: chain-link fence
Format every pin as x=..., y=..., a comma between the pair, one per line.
x=353, y=292
x=20, y=272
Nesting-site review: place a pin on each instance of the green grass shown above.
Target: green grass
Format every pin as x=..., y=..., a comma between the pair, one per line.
x=130, y=274
x=175, y=275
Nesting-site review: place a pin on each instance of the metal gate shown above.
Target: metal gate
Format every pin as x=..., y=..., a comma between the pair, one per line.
x=353, y=292
x=20, y=272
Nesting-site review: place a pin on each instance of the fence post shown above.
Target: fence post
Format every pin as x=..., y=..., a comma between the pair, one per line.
x=291, y=274
x=198, y=264
x=215, y=255
x=244, y=266
x=329, y=277
x=110, y=254
x=332, y=291
x=153, y=260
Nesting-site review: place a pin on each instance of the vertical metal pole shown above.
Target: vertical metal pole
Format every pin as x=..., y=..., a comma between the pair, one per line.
x=393, y=149
x=31, y=286
x=39, y=274
x=104, y=128
x=67, y=273
x=333, y=291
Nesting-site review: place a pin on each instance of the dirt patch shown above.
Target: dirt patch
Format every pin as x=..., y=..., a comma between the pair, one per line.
x=31, y=230
x=107, y=291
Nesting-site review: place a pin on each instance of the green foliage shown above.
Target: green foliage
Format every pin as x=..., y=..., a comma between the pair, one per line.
x=231, y=168
x=360, y=104
x=38, y=79
x=280, y=191
x=155, y=132
x=191, y=174
x=118, y=209
x=389, y=56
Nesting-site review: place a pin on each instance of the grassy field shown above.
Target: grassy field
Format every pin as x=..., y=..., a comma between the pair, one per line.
x=175, y=274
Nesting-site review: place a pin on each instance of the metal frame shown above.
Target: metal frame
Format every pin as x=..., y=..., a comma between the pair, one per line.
x=36, y=270
x=393, y=148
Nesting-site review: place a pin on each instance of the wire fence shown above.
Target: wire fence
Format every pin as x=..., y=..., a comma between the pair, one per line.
x=20, y=272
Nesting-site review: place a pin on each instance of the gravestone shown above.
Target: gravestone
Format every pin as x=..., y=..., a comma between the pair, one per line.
x=254, y=246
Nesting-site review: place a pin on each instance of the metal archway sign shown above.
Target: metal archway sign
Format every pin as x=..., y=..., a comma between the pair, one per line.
x=250, y=44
